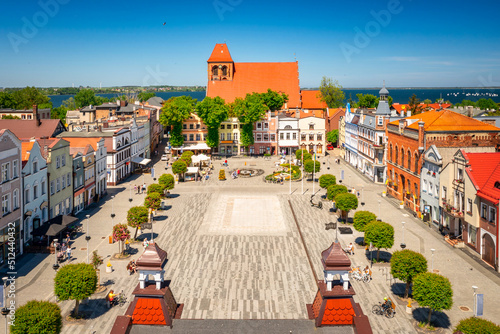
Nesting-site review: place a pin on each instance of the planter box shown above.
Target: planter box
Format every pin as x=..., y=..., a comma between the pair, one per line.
x=109, y=269
x=401, y=206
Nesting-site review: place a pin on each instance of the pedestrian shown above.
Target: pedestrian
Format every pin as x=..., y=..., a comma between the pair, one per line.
x=144, y=187
x=68, y=253
x=68, y=239
x=145, y=243
x=135, y=189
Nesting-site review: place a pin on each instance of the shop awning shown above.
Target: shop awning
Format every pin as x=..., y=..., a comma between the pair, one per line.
x=192, y=170
x=141, y=161
x=54, y=226
x=199, y=157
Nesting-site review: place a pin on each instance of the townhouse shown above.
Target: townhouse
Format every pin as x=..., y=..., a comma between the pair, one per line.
x=288, y=134
x=229, y=137
x=264, y=135
x=312, y=134
x=78, y=181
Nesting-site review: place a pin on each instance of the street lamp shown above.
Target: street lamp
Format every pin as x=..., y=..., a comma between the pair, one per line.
x=432, y=259
x=130, y=196
x=403, y=245
x=379, y=202
x=474, y=298
x=362, y=195
x=112, y=207
x=55, y=265
x=87, y=237
x=5, y=310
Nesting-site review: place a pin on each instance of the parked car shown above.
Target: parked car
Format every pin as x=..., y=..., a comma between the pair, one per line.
x=329, y=147
x=164, y=157
x=167, y=151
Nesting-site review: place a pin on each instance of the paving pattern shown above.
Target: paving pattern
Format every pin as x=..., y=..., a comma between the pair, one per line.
x=235, y=252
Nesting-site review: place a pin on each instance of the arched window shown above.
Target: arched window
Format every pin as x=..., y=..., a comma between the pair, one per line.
x=224, y=70
x=390, y=153
x=288, y=127
x=215, y=70
x=416, y=190
x=402, y=157
x=126, y=141
x=409, y=161
x=396, y=158
x=416, y=163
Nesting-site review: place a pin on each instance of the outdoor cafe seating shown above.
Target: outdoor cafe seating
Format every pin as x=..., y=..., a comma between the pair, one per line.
x=43, y=235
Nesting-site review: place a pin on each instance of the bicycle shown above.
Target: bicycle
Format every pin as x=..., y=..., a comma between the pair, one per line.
x=120, y=299
x=356, y=274
x=382, y=309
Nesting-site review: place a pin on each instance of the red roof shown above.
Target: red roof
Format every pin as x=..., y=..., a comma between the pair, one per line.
x=148, y=311
x=484, y=175
x=311, y=99
x=435, y=106
x=338, y=312
x=75, y=142
x=26, y=150
x=26, y=129
x=220, y=54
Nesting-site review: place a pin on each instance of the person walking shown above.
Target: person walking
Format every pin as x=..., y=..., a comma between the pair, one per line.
x=68, y=253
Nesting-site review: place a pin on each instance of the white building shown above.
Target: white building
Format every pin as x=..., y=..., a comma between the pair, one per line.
x=288, y=134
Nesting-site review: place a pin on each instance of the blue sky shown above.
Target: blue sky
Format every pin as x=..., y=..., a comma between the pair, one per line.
x=359, y=43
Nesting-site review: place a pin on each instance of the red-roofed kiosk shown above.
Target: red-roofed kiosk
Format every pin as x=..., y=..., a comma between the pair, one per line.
x=334, y=304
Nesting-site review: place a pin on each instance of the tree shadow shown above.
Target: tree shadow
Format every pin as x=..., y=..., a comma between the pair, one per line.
x=161, y=218
x=360, y=241
x=165, y=208
x=173, y=196
x=438, y=319
x=384, y=256
x=399, y=289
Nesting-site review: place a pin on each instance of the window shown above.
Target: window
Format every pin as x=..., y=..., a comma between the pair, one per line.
x=81, y=180
x=266, y=125
x=409, y=161
x=35, y=191
x=184, y=126
x=58, y=186
x=222, y=126
x=229, y=136
x=281, y=136
x=235, y=136
x=266, y=137
x=319, y=137
x=185, y=137
x=460, y=174
x=288, y=136
x=52, y=189
x=416, y=163
x=259, y=137
x=484, y=211
x=68, y=179
x=402, y=158
x=311, y=137
x=273, y=137
x=63, y=181
x=493, y=215
x=58, y=159
x=311, y=126
x=6, y=172
x=26, y=196
x=191, y=126
x=198, y=136
x=259, y=126
x=444, y=192
x=469, y=205
x=63, y=159
x=302, y=136
x=431, y=188
x=390, y=153
x=35, y=167
x=294, y=136
x=14, y=169
x=5, y=204
x=380, y=121
x=222, y=136
x=191, y=137
x=198, y=125
x=424, y=189
x=15, y=199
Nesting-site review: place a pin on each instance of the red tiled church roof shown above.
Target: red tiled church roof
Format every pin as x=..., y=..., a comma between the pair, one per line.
x=311, y=99
x=338, y=312
x=220, y=54
x=148, y=311
x=255, y=77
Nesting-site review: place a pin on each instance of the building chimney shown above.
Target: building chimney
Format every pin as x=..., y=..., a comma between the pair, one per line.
x=470, y=111
x=408, y=113
x=421, y=134
x=35, y=115
x=123, y=103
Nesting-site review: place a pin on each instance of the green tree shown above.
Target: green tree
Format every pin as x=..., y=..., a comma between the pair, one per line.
x=59, y=113
x=331, y=93
x=96, y=260
x=433, y=291
x=174, y=112
x=327, y=180
x=346, y=202
x=407, y=264
x=10, y=117
x=70, y=104
x=414, y=105
x=303, y=153
x=484, y=104
x=332, y=136
x=335, y=189
x=37, y=317
x=312, y=166
x=273, y=100
x=366, y=100
x=86, y=97
x=153, y=201
x=249, y=110
x=75, y=282
x=179, y=167
x=186, y=157
x=144, y=96
x=466, y=103
x=380, y=234
x=27, y=97
x=167, y=181
x=155, y=188
x=212, y=111
x=474, y=325
x=363, y=218
x=136, y=216
x=7, y=100
x=427, y=101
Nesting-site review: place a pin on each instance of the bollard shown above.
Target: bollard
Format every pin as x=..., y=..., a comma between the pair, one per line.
x=110, y=239
x=245, y=163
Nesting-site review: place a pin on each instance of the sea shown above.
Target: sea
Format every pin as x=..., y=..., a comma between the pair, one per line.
x=399, y=95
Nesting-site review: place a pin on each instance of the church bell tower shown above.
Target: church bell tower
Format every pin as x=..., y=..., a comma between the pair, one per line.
x=220, y=64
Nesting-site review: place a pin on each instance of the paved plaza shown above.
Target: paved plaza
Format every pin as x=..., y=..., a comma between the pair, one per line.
x=237, y=251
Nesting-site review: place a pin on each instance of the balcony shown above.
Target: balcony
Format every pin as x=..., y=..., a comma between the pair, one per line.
x=451, y=210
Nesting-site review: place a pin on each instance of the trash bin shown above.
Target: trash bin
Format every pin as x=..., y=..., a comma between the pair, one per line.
x=110, y=239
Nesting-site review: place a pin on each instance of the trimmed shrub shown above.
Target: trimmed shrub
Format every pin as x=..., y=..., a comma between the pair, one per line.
x=76, y=282
x=179, y=167
x=433, y=291
x=335, y=189
x=406, y=264
x=327, y=180
x=167, y=181
x=474, y=325
x=380, y=234
x=155, y=188
x=153, y=201
x=363, y=218
x=38, y=317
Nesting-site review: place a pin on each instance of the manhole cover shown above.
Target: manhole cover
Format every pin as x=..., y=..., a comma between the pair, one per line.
x=84, y=248
x=103, y=237
x=464, y=308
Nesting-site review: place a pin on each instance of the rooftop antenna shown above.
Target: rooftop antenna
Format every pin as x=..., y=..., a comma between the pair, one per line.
x=294, y=56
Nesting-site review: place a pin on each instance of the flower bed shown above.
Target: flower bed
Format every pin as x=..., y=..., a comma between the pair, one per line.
x=285, y=173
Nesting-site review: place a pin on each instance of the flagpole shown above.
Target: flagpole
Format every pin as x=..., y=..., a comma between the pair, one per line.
x=314, y=167
x=290, y=170
x=302, y=151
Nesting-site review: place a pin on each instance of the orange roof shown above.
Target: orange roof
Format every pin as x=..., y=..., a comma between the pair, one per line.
x=26, y=150
x=258, y=77
x=75, y=142
x=484, y=175
x=148, y=311
x=399, y=106
x=447, y=120
x=311, y=99
x=338, y=312
x=334, y=111
x=220, y=54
